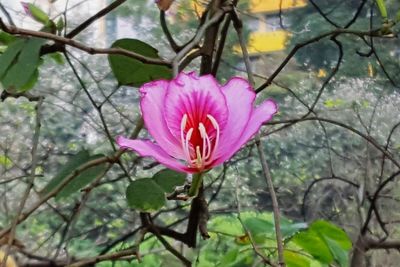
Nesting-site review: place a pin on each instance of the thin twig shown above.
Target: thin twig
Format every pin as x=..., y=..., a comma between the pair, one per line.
x=237, y=23
x=254, y=245
x=35, y=143
x=343, y=125
x=335, y=32
x=95, y=162
x=167, y=33
x=107, y=257
x=95, y=17
x=275, y=207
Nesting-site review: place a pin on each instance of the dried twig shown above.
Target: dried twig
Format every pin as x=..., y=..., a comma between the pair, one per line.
x=275, y=207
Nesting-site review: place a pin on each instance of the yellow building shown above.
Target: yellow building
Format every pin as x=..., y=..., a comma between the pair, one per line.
x=267, y=35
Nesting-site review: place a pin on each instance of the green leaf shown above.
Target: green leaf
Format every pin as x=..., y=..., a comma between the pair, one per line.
x=8, y=57
x=32, y=81
x=21, y=72
x=129, y=71
x=38, y=14
x=382, y=8
x=336, y=240
x=49, y=27
x=5, y=161
x=293, y=259
x=83, y=179
x=57, y=57
x=60, y=24
x=145, y=195
x=6, y=38
x=258, y=226
x=326, y=242
x=333, y=232
x=227, y=224
x=67, y=168
x=289, y=228
x=340, y=255
x=311, y=242
x=80, y=181
x=261, y=230
x=168, y=179
x=230, y=257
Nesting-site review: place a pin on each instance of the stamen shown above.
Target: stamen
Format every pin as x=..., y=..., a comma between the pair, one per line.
x=216, y=127
x=183, y=122
x=202, y=130
x=204, y=136
x=208, y=147
x=187, y=147
x=183, y=139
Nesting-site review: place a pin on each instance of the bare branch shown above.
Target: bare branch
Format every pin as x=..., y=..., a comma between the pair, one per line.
x=275, y=205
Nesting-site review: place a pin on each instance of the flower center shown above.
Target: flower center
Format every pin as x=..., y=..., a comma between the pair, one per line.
x=199, y=153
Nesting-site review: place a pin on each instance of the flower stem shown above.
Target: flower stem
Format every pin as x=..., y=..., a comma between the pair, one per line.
x=196, y=183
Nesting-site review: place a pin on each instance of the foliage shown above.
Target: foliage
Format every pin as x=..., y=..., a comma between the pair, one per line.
x=330, y=149
x=129, y=71
x=228, y=238
x=148, y=194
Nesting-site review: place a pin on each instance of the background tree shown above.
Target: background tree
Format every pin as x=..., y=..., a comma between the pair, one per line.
x=333, y=149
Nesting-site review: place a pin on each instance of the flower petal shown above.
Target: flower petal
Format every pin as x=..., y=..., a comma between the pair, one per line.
x=239, y=99
x=151, y=104
x=146, y=148
x=197, y=97
x=260, y=115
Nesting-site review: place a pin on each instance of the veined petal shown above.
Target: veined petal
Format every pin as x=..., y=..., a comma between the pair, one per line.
x=197, y=97
x=260, y=115
x=239, y=98
x=151, y=104
x=146, y=148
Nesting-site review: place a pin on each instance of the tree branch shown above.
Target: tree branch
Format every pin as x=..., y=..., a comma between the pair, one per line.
x=72, y=43
x=95, y=17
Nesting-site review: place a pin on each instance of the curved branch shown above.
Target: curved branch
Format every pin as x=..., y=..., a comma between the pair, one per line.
x=333, y=33
x=167, y=33
x=70, y=42
x=324, y=15
x=308, y=190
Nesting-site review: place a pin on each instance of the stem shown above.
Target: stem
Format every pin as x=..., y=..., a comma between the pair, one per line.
x=196, y=183
x=275, y=207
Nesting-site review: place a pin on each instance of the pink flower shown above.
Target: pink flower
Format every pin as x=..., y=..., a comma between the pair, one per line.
x=25, y=6
x=196, y=123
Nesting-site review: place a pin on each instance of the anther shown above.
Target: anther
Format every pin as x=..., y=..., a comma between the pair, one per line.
x=213, y=121
x=202, y=130
x=217, y=129
x=184, y=140
x=183, y=122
